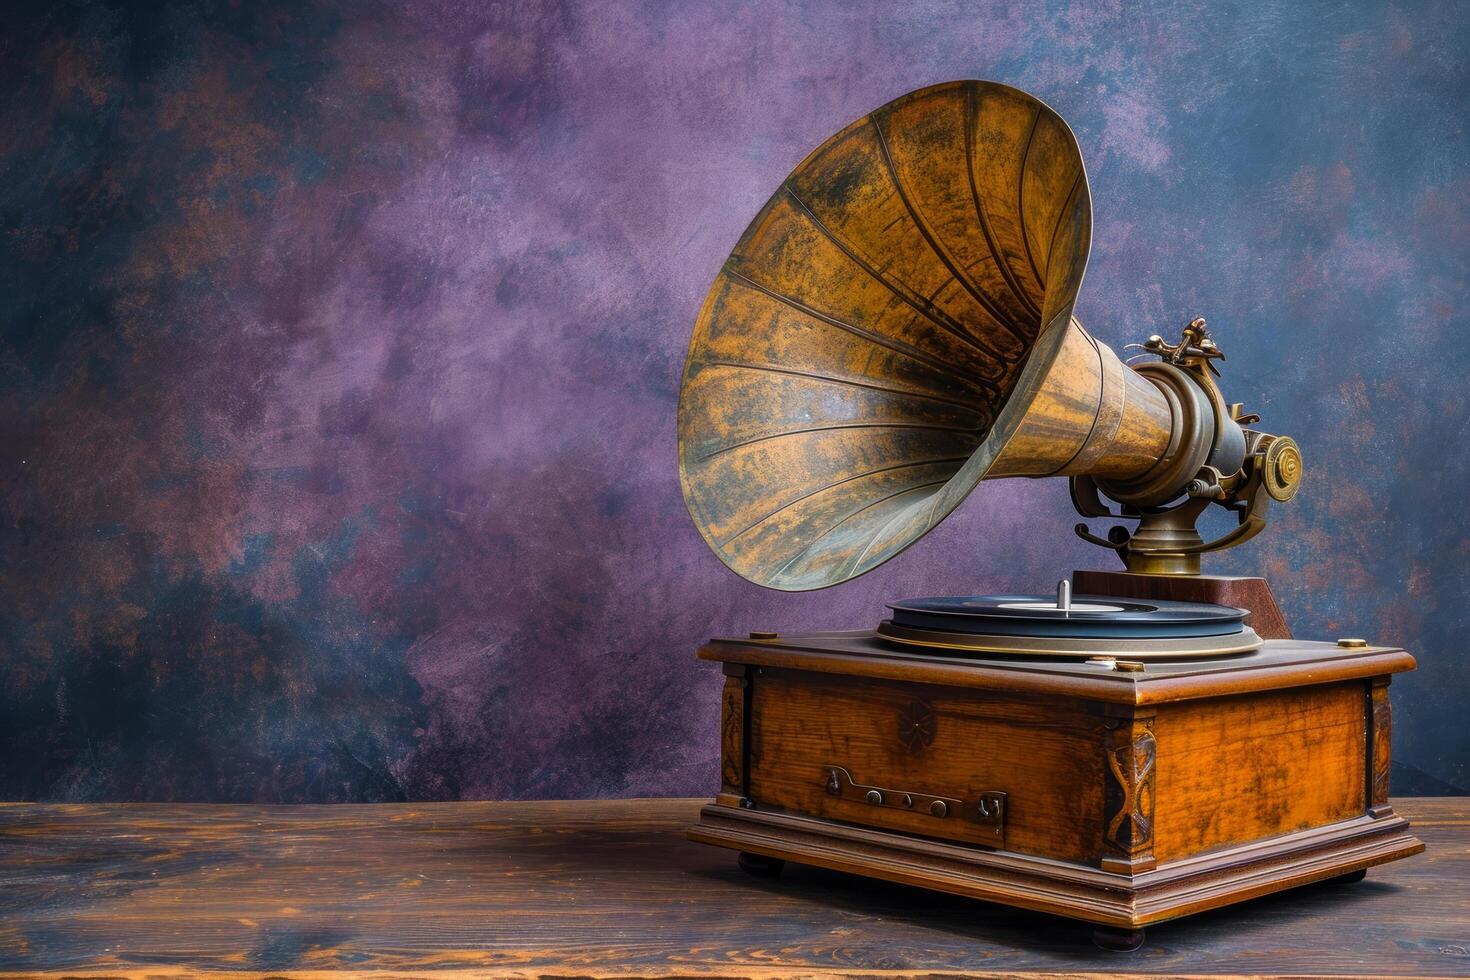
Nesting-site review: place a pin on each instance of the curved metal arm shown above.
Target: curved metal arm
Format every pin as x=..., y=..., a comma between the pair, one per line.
x=1252, y=519
x=1087, y=500
x=1174, y=525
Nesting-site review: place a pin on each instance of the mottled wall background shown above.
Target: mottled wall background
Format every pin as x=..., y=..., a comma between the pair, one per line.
x=341, y=346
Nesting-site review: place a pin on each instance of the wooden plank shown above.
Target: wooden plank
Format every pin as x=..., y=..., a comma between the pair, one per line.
x=610, y=888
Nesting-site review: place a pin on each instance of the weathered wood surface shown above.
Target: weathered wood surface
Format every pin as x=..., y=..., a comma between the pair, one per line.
x=1258, y=766
x=611, y=888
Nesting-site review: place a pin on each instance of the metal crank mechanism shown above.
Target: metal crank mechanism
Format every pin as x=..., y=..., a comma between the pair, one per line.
x=1217, y=460
x=989, y=811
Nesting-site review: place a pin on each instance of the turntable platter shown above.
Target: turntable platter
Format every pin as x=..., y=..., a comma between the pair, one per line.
x=1089, y=626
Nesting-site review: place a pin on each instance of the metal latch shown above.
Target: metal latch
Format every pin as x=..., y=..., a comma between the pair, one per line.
x=988, y=810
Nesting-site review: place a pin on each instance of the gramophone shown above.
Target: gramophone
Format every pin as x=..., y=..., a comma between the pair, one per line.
x=895, y=326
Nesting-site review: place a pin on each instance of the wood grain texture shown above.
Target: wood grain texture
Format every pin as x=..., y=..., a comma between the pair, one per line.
x=1040, y=751
x=1197, y=884
x=732, y=731
x=610, y=888
x=1380, y=735
x=1243, y=768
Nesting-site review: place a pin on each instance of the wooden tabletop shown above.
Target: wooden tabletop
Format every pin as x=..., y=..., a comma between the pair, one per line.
x=611, y=888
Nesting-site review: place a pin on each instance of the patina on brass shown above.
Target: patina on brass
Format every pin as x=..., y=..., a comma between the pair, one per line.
x=896, y=325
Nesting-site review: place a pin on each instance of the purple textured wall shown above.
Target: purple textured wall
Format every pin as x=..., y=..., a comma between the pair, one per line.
x=342, y=343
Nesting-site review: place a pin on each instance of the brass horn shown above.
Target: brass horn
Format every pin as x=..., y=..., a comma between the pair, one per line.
x=896, y=326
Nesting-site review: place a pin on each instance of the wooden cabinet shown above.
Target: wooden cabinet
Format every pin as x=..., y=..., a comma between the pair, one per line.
x=1122, y=798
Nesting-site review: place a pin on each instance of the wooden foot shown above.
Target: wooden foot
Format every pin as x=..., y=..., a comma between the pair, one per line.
x=1351, y=878
x=1119, y=940
x=759, y=866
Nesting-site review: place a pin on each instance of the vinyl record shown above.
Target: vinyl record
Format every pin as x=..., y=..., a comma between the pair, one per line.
x=1090, y=626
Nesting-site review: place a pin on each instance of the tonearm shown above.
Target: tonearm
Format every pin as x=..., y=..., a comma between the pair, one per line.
x=1219, y=460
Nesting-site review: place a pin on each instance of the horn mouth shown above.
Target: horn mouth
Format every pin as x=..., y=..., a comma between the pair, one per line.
x=880, y=331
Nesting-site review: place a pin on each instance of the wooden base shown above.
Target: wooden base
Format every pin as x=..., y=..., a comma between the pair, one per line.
x=1121, y=795
x=1126, y=902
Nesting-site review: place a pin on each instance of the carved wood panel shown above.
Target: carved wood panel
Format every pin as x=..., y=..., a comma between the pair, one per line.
x=917, y=725
x=1382, y=737
x=732, y=736
x=1128, y=800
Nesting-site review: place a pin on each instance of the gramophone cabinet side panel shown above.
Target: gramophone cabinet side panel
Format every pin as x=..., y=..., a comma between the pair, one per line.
x=1237, y=769
x=1041, y=752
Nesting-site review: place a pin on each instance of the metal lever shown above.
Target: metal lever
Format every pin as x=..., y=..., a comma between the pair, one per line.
x=988, y=811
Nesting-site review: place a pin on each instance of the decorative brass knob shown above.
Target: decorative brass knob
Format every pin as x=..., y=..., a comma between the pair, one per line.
x=1282, y=468
x=939, y=808
x=874, y=797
